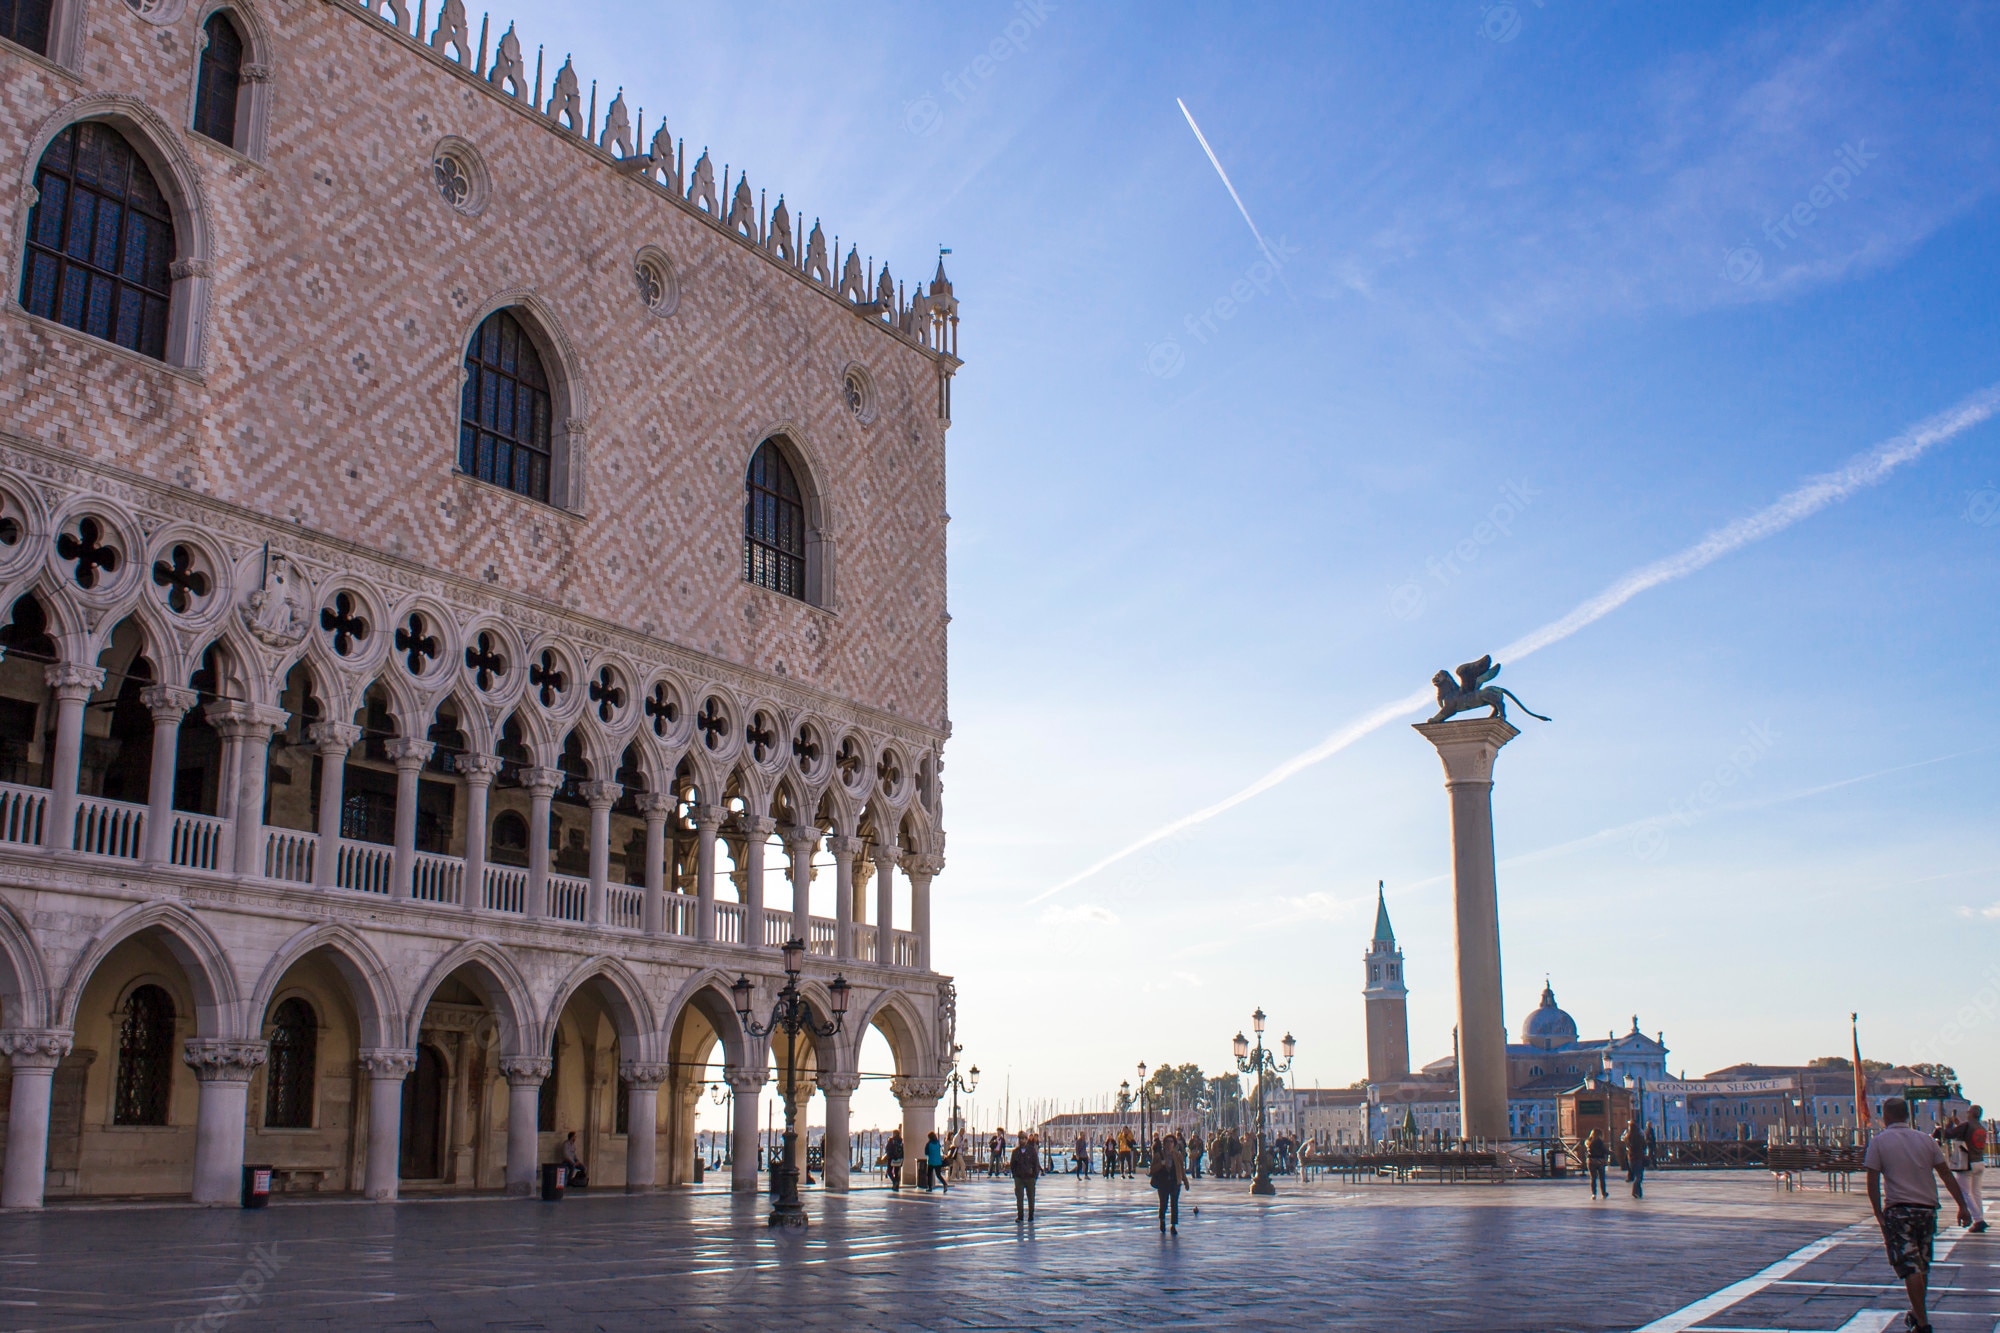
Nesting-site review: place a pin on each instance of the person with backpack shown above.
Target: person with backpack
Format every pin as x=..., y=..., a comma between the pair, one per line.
x=1597, y=1155
x=1635, y=1159
x=1168, y=1175
x=894, y=1152
x=1969, y=1164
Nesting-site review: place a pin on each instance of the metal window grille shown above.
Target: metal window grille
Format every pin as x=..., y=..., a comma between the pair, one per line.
x=100, y=241
x=774, y=525
x=504, y=417
x=145, y=1058
x=289, y=1072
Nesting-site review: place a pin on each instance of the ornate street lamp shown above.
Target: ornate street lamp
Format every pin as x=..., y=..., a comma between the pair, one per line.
x=792, y=1012
x=1262, y=1063
x=724, y=1094
x=1145, y=1123
x=969, y=1082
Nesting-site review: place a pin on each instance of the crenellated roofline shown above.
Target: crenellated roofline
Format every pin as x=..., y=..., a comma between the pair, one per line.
x=925, y=321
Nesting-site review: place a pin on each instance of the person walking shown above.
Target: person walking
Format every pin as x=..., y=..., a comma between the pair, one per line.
x=1083, y=1154
x=574, y=1175
x=961, y=1148
x=1026, y=1166
x=1972, y=1181
x=1907, y=1160
x=1168, y=1176
x=934, y=1165
x=1194, y=1155
x=1597, y=1154
x=1635, y=1159
x=996, y=1151
x=894, y=1153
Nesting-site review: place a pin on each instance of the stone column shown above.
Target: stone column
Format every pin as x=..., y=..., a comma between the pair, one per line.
x=642, y=1119
x=223, y=1069
x=168, y=705
x=707, y=818
x=72, y=683
x=541, y=784
x=410, y=756
x=1468, y=747
x=747, y=1084
x=250, y=727
x=885, y=910
x=479, y=771
x=836, y=1148
x=602, y=796
x=685, y=1138
x=756, y=835
x=332, y=740
x=386, y=1068
x=524, y=1095
x=843, y=849
x=922, y=870
x=655, y=806
x=919, y=1098
x=800, y=841
x=35, y=1053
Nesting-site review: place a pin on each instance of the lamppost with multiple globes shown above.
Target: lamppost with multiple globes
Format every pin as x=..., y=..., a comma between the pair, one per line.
x=1263, y=1064
x=792, y=1013
x=1145, y=1120
x=723, y=1094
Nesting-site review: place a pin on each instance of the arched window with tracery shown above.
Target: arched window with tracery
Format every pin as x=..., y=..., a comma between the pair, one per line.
x=291, y=1069
x=145, y=1058
x=218, y=80
x=506, y=411
x=100, y=241
x=774, y=524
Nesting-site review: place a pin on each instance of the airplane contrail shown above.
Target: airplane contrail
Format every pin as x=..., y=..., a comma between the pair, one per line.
x=1216, y=162
x=1815, y=494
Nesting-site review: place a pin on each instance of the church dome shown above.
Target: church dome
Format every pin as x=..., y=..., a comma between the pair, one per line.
x=1549, y=1026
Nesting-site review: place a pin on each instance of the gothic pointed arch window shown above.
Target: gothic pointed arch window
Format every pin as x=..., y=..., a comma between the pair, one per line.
x=27, y=23
x=100, y=249
x=145, y=1058
x=289, y=1073
x=506, y=415
x=218, y=81
x=780, y=544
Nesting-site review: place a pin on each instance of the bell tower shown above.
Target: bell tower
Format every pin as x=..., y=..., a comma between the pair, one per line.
x=1385, y=999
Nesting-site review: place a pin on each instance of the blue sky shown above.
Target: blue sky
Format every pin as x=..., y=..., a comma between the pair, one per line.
x=1559, y=257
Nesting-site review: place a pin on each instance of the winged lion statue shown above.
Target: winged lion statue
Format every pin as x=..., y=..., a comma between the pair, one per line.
x=1473, y=689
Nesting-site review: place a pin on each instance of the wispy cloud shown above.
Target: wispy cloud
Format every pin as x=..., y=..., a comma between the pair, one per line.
x=1815, y=494
x=1081, y=914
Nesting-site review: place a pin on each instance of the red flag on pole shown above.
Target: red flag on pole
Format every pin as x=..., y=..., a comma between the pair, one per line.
x=1861, y=1116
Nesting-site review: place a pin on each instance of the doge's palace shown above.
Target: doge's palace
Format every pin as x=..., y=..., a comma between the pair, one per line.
x=472, y=586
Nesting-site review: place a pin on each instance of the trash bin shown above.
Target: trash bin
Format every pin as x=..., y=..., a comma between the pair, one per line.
x=256, y=1186
x=553, y=1177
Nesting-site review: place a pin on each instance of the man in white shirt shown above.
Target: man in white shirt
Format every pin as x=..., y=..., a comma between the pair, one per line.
x=1911, y=1163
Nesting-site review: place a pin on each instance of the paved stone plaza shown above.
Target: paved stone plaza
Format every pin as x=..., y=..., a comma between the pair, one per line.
x=1521, y=1256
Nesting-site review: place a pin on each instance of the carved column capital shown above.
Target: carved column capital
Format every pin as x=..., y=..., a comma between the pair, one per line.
x=747, y=1082
x=840, y=844
x=756, y=826
x=644, y=1073
x=408, y=752
x=219, y=1060
x=73, y=680
x=801, y=836
x=602, y=795
x=479, y=769
x=386, y=1061
x=168, y=703
x=576, y=428
x=707, y=816
x=35, y=1048
x=334, y=738
x=924, y=866
x=911, y=1090
x=652, y=803
x=691, y=1091
x=255, y=74
x=526, y=1070
x=241, y=721
x=189, y=268
x=542, y=781
x=839, y=1085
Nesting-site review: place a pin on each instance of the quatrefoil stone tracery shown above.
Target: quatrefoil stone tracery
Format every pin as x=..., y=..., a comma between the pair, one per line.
x=88, y=551
x=758, y=735
x=183, y=582
x=713, y=722
x=419, y=648
x=343, y=623
x=663, y=709
x=484, y=661
x=607, y=694
x=548, y=678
